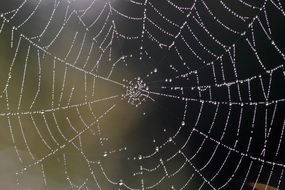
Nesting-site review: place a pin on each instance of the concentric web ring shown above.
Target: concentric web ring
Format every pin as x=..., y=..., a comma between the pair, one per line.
x=150, y=94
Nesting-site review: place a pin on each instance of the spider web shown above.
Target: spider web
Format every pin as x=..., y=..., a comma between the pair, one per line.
x=147, y=94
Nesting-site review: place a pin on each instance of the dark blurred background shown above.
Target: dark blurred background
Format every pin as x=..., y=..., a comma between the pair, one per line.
x=210, y=112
